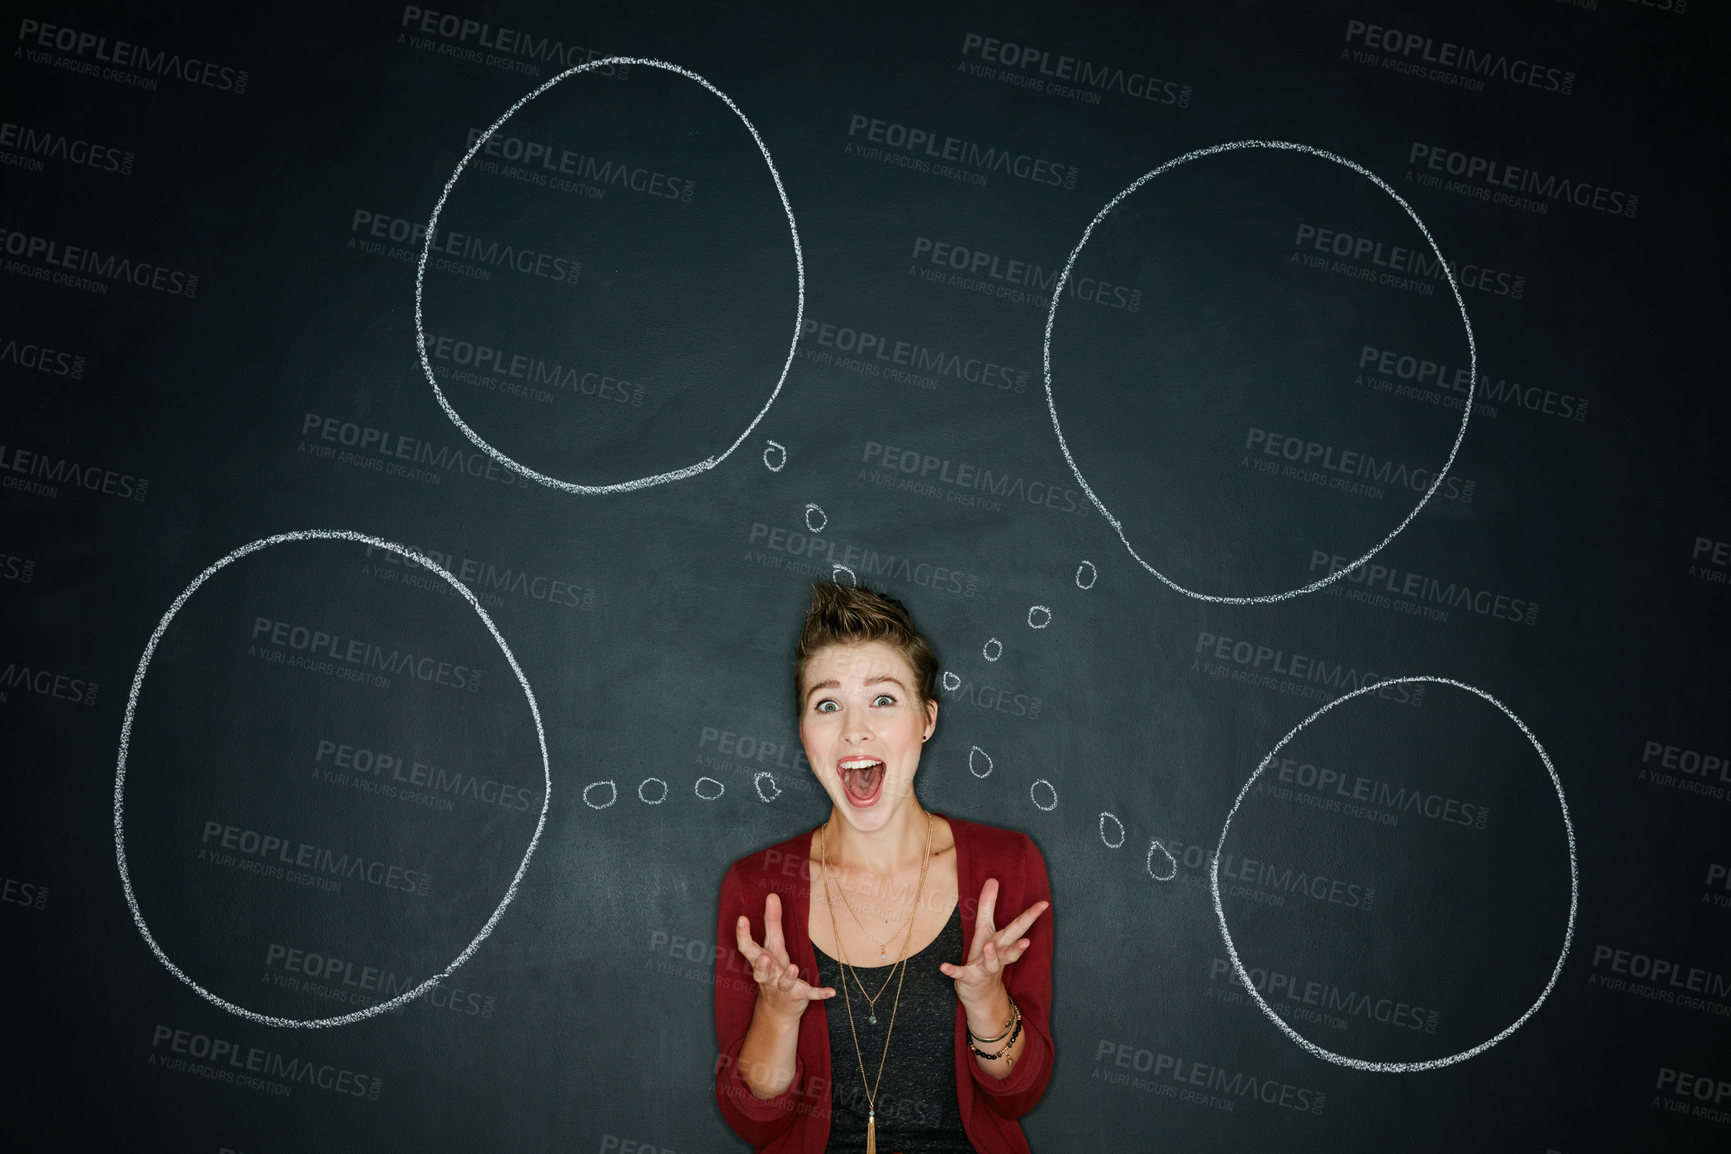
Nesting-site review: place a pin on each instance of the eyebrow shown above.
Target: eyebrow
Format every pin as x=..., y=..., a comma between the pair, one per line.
x=832, y=683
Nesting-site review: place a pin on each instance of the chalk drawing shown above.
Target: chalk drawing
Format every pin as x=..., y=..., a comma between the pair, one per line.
x=781, y=462
x=835, y=572
x=951, y=681
x=1232, y=950
x=612, y=797
x=973, y=766
x=757, y=784
x=433, y=223
x=1104, y=816
x=1093, y=575
x=1032, y=794
x=992, y=649
x=1148, y=862
x=132, y=699
x=1039, y=616
x=823, y=518
x=697, y=788
x=646, y=799
x=1052, y=406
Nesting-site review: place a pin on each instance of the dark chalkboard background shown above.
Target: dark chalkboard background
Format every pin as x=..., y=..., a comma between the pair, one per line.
x=211, y=229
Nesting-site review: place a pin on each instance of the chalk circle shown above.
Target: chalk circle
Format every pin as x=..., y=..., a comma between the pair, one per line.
x=823, y=518
x=1038, y=782
x=835, y=572
x=427, y=247
x=1148, y=862
x=647, y=800
x=126, y=736
x=781, y=463
x=992, y=649
x=1093, y=575
x=1052, y=405
x=951, y=682
x=757, y=784
x=1232, y=950
x=976, y=750
x=1039, y=616
x=697, y=788
x=612, y=797
x=1119, y=844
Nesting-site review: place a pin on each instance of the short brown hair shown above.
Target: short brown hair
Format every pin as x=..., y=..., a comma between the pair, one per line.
x=847, y=614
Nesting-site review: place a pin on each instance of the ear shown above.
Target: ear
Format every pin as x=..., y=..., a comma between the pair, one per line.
x=931, y=717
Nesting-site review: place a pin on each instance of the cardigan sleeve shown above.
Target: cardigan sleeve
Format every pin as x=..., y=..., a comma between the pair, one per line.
x=758, y=1121
x=1029, y=982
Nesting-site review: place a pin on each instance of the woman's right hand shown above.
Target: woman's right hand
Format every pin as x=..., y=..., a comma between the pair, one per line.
x=780, y=989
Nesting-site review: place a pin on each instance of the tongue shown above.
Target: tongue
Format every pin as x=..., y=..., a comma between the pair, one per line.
x=861, y=782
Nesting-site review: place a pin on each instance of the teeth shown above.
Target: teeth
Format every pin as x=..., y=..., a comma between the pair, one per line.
x=858, y=763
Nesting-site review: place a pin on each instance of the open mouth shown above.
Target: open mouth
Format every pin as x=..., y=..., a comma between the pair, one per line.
x=862, y=779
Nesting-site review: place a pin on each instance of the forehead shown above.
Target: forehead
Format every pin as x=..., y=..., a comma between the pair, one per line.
x=857, y=662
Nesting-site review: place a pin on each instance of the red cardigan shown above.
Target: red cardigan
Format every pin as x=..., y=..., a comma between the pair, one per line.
x=797, y=1121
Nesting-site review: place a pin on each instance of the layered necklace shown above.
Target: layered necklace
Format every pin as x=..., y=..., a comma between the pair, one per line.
x=871, y=1091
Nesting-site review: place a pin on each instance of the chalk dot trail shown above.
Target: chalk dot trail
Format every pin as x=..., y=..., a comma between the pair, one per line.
x=974, y=765
x=1232, y=950
x=1110, y=844
x=1052, y=405
x=799, y=305
x=132, y=699
x=1171, y=862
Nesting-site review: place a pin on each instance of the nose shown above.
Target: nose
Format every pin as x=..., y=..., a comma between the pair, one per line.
x=855, y=727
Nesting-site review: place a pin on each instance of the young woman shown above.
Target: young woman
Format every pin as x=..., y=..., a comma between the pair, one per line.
x=900, y=966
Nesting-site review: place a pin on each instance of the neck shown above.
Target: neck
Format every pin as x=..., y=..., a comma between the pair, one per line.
x=898, y=846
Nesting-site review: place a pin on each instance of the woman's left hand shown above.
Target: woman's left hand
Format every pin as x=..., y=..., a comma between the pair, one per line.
x=991, y=950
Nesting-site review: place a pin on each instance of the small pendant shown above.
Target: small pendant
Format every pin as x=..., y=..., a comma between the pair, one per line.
x=873, y=1019
x=883, y=954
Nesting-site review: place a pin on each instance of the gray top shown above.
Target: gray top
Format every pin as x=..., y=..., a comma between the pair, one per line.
x=917, y=1111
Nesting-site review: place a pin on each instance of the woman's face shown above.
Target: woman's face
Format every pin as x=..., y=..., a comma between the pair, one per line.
x=862, y=724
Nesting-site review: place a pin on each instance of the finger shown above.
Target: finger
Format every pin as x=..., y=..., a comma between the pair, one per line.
x=772, y=939
x=1020, y=926
x=988, y=900
x=742, y=935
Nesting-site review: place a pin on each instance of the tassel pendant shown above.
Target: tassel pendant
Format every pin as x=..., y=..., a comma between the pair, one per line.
x=872, y=1133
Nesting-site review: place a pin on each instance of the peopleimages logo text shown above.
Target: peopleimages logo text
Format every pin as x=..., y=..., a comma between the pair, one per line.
x=928, y=144
x=1495, y=176
x=122, y=54
x=1456, y=57
x=1059, y=69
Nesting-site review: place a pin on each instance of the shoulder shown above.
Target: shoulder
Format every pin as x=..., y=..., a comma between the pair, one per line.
x=989, y=842
x=784, y=862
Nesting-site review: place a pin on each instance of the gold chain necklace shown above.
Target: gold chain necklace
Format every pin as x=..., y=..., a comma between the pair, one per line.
x=872, y=1090
x=883, y=946
x=871, y=998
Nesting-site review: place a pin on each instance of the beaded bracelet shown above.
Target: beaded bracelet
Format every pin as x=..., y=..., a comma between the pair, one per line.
x=1014, y=1034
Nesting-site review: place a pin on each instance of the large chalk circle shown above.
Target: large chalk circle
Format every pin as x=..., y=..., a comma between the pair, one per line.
x=1305, y=796
x=332, y=781
x=1225, y=421
x=600, y=308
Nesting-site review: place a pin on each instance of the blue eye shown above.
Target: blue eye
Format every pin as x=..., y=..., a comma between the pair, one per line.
x=827, y=706
x=883, y=699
